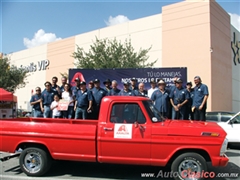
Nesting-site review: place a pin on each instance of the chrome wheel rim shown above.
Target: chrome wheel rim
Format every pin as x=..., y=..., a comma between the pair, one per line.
x=189, y=170
x=33, y=162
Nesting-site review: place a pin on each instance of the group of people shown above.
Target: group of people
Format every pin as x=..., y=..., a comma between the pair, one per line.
x=84, y=100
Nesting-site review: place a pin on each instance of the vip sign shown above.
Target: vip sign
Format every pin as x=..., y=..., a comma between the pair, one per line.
x=40, y=66
x=123, y=131
x=235, y=44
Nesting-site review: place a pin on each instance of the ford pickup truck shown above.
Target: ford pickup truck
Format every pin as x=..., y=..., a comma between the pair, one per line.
x=129, y=130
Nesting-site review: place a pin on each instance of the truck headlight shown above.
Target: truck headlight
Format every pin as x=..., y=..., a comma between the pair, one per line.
x=224, y=147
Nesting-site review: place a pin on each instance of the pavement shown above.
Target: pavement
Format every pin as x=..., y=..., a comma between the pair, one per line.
x=67, y=170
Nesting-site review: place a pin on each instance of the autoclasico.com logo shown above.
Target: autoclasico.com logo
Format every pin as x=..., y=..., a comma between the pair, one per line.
x=187, y=174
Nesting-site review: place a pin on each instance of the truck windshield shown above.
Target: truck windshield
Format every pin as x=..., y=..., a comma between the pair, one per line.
x=153, y=113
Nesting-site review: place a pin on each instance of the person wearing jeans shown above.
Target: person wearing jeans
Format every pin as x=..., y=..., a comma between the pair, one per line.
x=179, y=98
x=83, y=104
x=47, y=99
x=36, y=103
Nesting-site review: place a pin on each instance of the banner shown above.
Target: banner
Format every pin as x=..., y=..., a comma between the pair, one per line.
x=144, y=75
x=63, y=105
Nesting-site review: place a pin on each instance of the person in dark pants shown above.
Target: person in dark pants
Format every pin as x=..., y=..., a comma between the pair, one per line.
x=114, y=91
x=200, y=99
x=179, y=98
x=47, y=99
x=83, y=104
x=98, y=93
x=160, y=98
x=35, y=101
x=189, y=113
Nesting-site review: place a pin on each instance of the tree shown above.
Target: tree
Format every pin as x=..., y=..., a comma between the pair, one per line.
x=107, y=53
x=11, y=77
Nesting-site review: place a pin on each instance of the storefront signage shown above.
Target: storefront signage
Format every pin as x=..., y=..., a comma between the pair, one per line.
x=39, y=66
x=235, y=44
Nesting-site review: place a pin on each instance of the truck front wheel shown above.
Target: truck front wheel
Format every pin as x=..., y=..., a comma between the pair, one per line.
x=34, y=161
x=189, y=166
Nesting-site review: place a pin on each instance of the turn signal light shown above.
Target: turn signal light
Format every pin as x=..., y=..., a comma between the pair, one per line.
x=210, y=134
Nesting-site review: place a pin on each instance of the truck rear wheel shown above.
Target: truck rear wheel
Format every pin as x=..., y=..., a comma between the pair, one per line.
x=189, y=166
x=34, y=161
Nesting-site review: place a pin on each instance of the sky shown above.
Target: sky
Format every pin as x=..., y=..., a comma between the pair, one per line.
x=28, y=23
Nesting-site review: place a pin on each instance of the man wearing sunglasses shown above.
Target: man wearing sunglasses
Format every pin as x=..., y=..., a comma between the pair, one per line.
x=47, y=99
x=35, y=102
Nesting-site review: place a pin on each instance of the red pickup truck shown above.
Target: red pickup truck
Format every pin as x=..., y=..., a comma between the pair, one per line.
x=129, y=131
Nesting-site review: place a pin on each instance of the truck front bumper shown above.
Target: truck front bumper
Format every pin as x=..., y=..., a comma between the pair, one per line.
x=220, y=160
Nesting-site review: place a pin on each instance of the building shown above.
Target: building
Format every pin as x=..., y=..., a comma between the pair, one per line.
x=193, y=34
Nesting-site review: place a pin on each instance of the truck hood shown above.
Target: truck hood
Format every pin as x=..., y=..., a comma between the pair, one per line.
x=187, y=128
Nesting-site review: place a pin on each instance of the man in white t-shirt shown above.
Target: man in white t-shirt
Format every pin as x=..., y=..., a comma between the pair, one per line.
x=152, y=89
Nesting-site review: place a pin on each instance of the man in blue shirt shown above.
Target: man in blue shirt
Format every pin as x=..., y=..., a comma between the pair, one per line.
x=141, y=90
x=98, y=93
x=126, y=91
x=47, y=99
x=133, y=87
x=55, y=87
x=160, y=97
x=200, y=97
x=114, y=91
x=76, y=87
x=83, y=104
x=107, y=83
x=35, y=101
x=179, y=98
x=64, y=81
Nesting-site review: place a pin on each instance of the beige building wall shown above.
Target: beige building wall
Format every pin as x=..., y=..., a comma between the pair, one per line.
x=37, y=56
x=59, y=54
x=235, y=71
x=221, y=63
x=196, y=35
x=143, y=33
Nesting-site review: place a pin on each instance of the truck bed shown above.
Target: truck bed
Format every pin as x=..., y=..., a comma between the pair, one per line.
x=65, y=139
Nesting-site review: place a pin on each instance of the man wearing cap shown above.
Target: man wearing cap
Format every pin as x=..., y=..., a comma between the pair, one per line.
x=133, y=87
x=200, y=97
x=76, y=87
x=107, y=84
x=98, y=93
x=90, y=85
x=47, y=99
x=83, y=103
x=160, y=97
x=179, y=98
x=153, y=88
x=141, y=91
x=126, y=91
x=114, y=91
x=189, y=113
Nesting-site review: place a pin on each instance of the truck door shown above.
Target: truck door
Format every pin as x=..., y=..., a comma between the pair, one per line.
x=126, y=136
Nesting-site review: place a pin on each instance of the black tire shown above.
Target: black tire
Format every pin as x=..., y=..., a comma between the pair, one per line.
x=35, y=161
x=194, y=159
